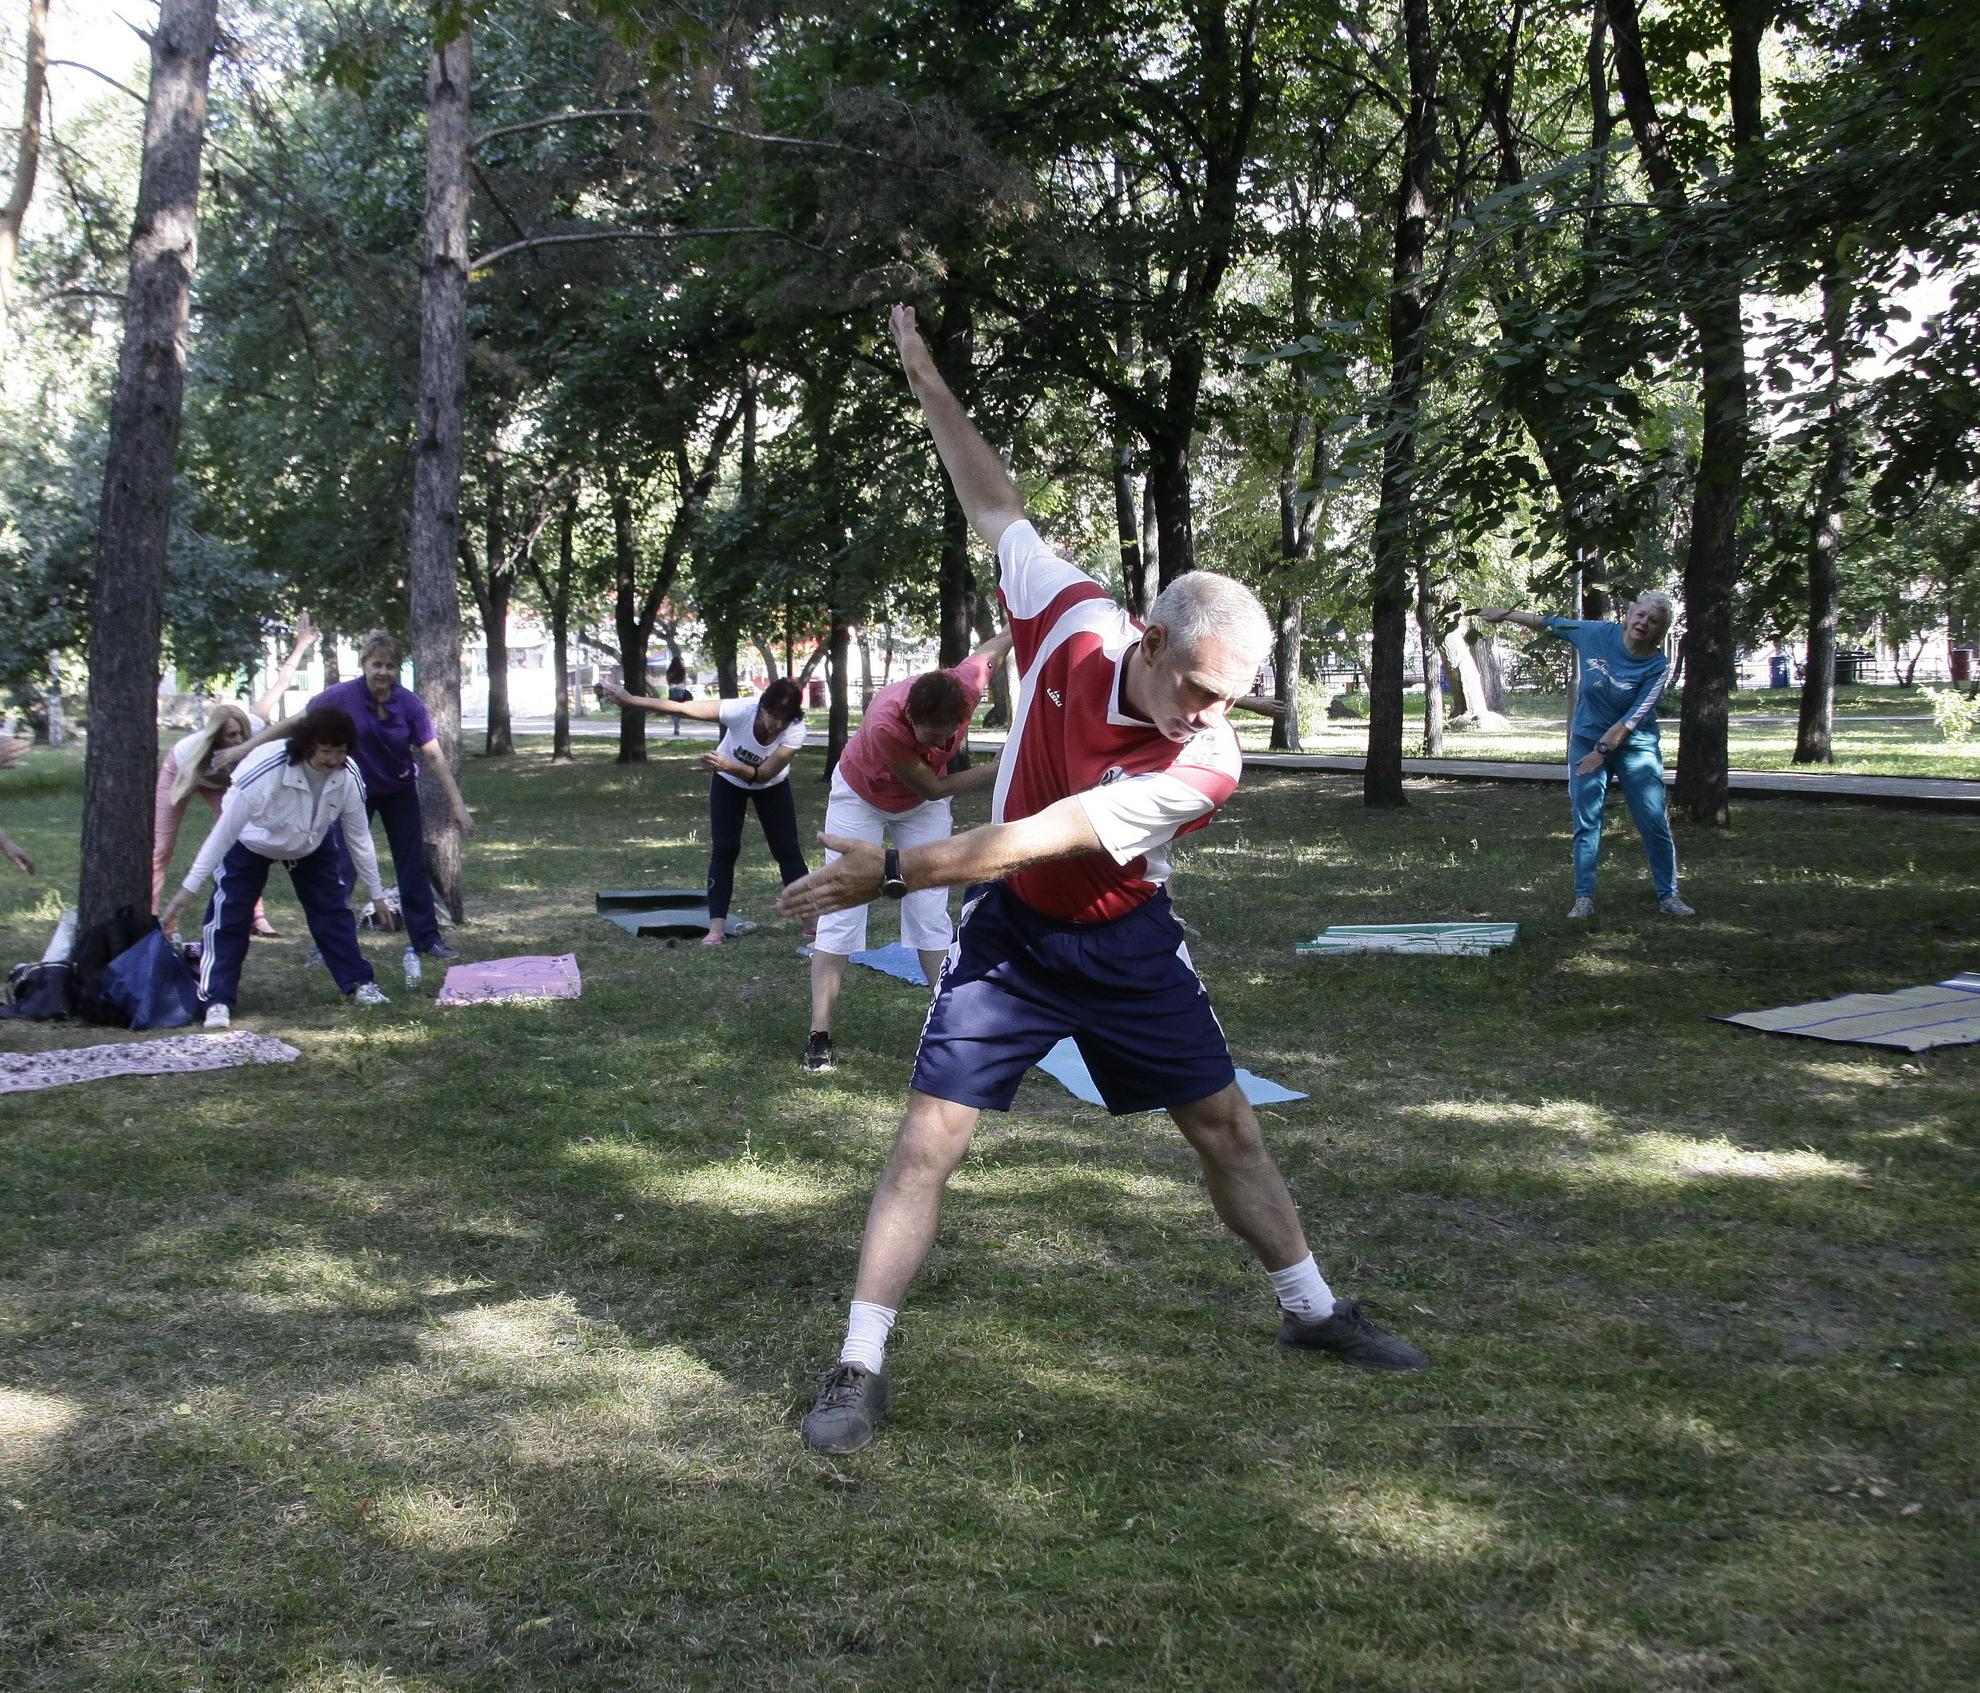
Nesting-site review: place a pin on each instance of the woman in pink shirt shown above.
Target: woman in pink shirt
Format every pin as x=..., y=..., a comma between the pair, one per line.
x=189, y=767
x=893, y=780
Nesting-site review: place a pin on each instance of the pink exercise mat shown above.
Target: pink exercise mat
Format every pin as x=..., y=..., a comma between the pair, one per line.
x=495, y=979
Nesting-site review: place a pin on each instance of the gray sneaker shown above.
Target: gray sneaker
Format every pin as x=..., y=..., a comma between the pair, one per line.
x=1675, y=907
x=851, y=1399
x=368, y=993
x=1352, y=1338
x=1583, y=907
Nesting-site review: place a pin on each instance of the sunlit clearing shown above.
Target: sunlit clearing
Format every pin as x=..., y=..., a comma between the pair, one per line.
x=1596, y=964
x=1672, y=1159
x=436, y=1520
x=29, y=1421
x=1396, y=1522
x=309, y=1279
x=739, y=1185
x=519, y=1329
x=749, y=1187
x=348, y=1677
x=1559, y=1116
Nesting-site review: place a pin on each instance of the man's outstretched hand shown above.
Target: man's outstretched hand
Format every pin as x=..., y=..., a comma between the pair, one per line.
x=853, y=878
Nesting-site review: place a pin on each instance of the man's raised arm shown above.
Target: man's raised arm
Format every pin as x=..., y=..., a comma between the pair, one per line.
x=983, y=486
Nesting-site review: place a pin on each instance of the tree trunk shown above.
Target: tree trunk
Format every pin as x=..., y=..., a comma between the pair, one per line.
x=838, y=711
x=1169, y=480
x=1813, y=740
x=865, y=671
x=1394, y=521
x=1433, y=649
x=499, y=739
x=1298, y=524
x=333, y=672
x=1707, y=654
x=1127, y=527
x=127, y=595
x=557, y=602
x=436, y=519
x=1491, y=677
x=1463, y=675
x=626, y=620
x=27, y=160
x=1285, y=673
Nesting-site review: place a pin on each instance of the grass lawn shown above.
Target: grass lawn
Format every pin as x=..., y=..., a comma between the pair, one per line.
x=1863, y=745
x=466, y=1352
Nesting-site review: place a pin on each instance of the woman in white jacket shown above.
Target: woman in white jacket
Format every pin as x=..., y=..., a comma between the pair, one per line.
x=283, y=803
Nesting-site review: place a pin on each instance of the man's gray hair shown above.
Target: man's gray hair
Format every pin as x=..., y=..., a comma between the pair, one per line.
x=1202, y=604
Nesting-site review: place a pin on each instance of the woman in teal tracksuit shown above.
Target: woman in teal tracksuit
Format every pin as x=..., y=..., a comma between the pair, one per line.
x=1614, y=734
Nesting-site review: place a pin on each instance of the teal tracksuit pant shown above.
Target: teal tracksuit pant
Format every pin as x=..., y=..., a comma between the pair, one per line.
x=1638, y=764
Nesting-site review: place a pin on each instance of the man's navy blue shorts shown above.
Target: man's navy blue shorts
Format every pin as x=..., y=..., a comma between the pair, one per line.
x=1017, y=982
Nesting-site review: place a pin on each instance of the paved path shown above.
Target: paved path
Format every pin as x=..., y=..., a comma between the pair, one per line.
x=1933, y=793
x=1917, y=792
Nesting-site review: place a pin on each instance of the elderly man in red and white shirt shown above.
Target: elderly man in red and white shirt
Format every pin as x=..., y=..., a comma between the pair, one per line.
x=1120, y=742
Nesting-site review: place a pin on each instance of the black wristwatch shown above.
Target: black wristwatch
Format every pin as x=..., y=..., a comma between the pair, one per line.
x=892, y=883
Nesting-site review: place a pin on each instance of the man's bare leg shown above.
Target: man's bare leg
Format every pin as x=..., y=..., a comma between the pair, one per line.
x=907, y=1205
x=1251, y=1199
x=1245, y=1185
x=900, y=1228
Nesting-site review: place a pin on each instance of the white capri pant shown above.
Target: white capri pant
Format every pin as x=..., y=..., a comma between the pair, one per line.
x=924, y=913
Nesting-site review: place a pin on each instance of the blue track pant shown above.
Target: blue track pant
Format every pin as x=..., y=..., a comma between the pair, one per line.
x=399, y=811
x=243, y=873
x=1638, y=764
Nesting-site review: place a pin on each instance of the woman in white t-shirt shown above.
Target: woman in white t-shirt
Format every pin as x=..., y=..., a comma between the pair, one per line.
x=751, y=763
x=188, y=768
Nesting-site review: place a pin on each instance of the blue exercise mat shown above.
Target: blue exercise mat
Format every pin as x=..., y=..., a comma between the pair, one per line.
x=891, y=960
x=1066, y=1067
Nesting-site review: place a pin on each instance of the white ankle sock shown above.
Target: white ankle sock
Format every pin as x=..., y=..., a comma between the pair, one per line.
x=1303, y=1291
x=867, y=1327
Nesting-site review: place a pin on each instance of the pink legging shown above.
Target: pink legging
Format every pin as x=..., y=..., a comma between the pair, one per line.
x=166, y=816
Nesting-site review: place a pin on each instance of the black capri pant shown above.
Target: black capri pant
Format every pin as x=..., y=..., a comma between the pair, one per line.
x=776, y=811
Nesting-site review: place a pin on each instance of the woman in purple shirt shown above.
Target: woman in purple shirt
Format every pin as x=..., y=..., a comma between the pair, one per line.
x=394, y=736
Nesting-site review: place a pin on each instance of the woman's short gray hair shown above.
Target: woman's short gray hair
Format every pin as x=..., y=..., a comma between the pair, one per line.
x=1201, y=605
x=380, y=640
x=1658, y=601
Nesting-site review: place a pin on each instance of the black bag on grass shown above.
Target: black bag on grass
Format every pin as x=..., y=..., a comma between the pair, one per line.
x=40, y=991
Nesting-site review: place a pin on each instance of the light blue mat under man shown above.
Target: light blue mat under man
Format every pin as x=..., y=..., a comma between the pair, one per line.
x=1615, y=733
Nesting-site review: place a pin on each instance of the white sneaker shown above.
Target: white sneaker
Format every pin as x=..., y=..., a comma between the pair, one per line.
x=1675, y=907
x=367, y=993
x=218, y=1016
x=1583, y=907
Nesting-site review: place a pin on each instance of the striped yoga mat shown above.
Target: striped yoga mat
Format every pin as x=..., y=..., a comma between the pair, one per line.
x=1945, y=1014
x=1459, y=940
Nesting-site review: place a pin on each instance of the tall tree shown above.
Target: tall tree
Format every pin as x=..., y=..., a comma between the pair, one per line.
x=126, y=601
x=439, y=422
x=27, y=160
x=1816, y=719
x=1712, y=308
x=1395, y=529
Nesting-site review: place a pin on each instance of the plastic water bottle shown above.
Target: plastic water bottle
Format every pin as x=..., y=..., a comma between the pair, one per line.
x=411, y=963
